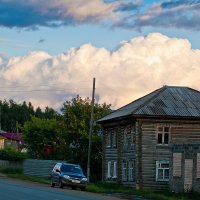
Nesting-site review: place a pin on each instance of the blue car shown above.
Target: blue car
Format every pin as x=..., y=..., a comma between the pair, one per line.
x=65, y=174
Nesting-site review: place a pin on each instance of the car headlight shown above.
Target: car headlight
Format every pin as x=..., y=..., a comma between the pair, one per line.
x=84, y=179
x=66, y=176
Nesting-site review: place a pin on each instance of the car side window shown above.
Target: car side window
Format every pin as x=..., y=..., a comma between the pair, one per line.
x=56, y=167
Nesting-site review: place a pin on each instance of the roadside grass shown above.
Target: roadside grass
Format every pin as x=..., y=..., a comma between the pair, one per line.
x=149, y=194
x=108, y=188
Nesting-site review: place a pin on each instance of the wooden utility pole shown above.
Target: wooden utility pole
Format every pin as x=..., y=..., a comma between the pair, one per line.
x=0, y=117
x=90, y=131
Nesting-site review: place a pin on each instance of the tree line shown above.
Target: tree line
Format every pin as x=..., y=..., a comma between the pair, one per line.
x=14, y=115
x=58, y=135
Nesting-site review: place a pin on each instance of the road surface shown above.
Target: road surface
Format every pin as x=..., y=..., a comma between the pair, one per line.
x=11, y=189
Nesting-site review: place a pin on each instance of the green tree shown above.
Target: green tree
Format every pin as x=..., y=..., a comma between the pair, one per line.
x=50, y=132
x=77, y=114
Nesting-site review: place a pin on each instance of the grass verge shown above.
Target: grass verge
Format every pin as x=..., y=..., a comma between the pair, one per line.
x=154, y=195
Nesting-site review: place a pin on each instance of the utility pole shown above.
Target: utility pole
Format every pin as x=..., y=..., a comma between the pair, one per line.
x=0, y=117
x=90, y=131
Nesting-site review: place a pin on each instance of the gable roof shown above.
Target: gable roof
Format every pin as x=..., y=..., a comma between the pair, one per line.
x=168, y=101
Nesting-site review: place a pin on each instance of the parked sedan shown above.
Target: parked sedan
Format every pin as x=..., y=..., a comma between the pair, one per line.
x=69, y=175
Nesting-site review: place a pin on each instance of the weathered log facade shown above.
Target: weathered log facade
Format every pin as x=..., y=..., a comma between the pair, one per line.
x=154, y=142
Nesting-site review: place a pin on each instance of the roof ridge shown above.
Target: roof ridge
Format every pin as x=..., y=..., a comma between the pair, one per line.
x=162, y=89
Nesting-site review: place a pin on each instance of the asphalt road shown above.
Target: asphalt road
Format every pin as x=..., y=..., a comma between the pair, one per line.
x=11, y=189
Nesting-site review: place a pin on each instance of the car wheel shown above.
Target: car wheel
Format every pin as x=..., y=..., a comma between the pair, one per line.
x=52, y=183
x=82, y=188
x=60, y=184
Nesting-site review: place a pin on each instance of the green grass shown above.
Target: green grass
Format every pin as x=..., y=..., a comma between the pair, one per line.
x=115, y=188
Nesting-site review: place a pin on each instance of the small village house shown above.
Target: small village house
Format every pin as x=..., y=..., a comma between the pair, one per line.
x=154, y=142
x=13, y=140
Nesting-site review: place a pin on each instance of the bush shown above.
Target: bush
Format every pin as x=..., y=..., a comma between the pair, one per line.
x=11, y=155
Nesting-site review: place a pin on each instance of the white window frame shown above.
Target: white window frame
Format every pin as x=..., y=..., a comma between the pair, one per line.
x=115, y=169
x=109, y=169
x=164, y=169
x=163, y=132
x=108, y=140
x=131, y=166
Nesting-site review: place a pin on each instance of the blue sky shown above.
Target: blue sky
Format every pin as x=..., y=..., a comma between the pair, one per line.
x=46, y=47
x=20, y=35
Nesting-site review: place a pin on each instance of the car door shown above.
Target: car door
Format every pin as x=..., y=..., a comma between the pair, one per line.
x=56, y=173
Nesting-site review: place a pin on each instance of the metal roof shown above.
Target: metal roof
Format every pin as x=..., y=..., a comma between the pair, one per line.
x=168, y=101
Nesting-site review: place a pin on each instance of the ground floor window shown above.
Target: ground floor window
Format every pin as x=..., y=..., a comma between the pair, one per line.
x=131, y=170
x=124, y=170
x=128, y=170
x=162, y=170
x=109, y=170
x=112, y=169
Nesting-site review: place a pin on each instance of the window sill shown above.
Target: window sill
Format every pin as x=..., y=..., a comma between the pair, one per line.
x=166, y=180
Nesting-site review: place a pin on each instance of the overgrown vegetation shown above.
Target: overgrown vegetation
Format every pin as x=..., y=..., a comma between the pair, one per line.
x=11, y=155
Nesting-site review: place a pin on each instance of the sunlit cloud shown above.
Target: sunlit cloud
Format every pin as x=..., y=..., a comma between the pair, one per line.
x=136, y=67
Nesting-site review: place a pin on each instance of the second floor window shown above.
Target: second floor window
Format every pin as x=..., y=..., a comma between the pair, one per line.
x=114, y=139
x=111, y=138
x=163, y=135
x=108, y=140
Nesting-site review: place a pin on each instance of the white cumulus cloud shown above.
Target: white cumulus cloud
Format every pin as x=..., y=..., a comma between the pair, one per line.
x=137, y=67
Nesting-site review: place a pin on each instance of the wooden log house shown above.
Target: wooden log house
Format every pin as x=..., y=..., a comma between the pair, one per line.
x=154, y=142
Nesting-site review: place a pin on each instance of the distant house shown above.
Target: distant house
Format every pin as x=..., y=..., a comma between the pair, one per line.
x=13, y=140
x=154, y=142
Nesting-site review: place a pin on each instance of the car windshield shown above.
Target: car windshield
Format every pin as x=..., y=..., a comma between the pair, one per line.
x=71, y=168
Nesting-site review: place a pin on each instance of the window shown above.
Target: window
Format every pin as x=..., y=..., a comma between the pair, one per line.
x=124, y=171
x=125, y=139
x=108, y=140
x=115, y=170
x=114, y=139
x=163, y=134
x=131, y=170
x=112, y=169
x=133, y=137
x=109, y=169
x=162, y=170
